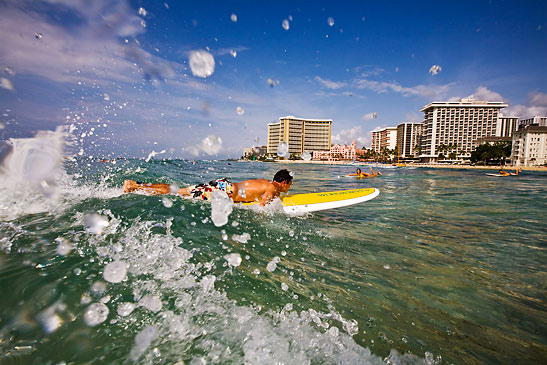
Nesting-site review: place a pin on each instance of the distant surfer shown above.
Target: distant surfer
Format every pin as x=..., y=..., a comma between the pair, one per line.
x=504, y=173
x=257, y=190
x=359, y=173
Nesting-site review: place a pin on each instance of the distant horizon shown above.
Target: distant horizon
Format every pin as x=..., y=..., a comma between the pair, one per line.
x=204, y=80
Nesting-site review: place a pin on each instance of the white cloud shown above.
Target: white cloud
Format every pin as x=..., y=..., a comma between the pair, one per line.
x=414, y=117
x=346, y=136
x=537, y=105
x=538, y=99
x=89, y=50
x=226, y=51
x=366, y=71
x=330, y=84
x=210, y=145
x=483, y=93
x=381, y=87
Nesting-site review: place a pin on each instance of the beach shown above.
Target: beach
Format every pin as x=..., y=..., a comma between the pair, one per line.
x=431, y=166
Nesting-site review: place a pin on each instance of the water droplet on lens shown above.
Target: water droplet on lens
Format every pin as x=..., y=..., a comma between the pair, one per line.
x=95, y=223
x=202, y=63
x=435, y=69
x=168, y=203
x=240, y=110
x=282, y=149
x=306, y=156
x=285, y=24
x=330, y=21
x=6, y=84
x=95, y=314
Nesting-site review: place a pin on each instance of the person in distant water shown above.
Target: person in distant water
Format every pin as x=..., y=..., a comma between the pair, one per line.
x=258, y=190
x=504, y=173
x=374, y=173
x=359, y=173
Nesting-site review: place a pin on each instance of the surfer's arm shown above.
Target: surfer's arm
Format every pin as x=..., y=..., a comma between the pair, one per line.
x=267, y=197
x=154, y=189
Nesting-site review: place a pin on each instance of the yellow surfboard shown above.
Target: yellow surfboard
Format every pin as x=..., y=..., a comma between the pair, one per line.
x=313, y=202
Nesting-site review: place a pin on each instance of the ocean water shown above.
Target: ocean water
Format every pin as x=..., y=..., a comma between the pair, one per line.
x=444, y=266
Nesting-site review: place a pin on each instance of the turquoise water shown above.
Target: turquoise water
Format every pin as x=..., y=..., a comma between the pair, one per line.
x=445, y=266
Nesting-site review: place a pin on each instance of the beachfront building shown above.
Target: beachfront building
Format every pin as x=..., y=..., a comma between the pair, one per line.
x=258, y=151
x=506, y=126
x=408, y=139
x=338, y=152
x=300, y=134
x=457, y=123
x=383, y=138
x=537, y=120
x=529, y=147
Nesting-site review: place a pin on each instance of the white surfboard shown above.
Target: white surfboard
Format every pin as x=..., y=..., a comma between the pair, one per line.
x=313, y=202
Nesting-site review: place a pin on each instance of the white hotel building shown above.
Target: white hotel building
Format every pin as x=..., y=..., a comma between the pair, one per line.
x=408, y=139
x=385, y=137
x=529, y=146
x=300, y=134
x=458, y=123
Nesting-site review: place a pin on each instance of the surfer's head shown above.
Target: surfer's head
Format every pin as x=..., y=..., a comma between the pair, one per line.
x=358, y=171
x=283, y=176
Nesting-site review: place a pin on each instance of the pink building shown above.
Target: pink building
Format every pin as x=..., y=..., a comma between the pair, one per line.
x=338, y=152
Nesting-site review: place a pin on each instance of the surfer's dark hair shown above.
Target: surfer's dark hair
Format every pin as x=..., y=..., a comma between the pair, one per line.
x=282, y=175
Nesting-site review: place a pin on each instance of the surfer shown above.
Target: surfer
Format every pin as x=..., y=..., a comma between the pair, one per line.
x=259, y=190
x=359, y=173
x=504, y=173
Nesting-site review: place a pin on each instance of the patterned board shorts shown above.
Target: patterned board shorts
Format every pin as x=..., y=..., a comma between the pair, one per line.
x=204, y=191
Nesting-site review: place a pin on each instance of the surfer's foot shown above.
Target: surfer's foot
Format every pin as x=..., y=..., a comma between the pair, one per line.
x=129, y=186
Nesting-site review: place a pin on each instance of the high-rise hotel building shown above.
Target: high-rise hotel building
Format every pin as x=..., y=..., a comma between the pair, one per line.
x=408, y=139
x=300, y=134
x=384, y=138
x=458, y=123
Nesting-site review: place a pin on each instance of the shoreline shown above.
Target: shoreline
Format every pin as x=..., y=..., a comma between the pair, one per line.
x=434, y=166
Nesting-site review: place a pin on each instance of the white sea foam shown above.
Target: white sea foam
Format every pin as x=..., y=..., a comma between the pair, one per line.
x=115, y=271
x=161, y=266
x=233, y=259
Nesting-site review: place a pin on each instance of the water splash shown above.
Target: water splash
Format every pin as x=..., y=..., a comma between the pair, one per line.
x=221, y=207
x=34, y=163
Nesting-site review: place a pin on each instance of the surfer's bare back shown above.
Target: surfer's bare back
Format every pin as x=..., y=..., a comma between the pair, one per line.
x=257, y=190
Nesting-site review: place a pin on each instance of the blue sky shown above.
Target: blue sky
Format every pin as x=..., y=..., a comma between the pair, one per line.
x=119, y=71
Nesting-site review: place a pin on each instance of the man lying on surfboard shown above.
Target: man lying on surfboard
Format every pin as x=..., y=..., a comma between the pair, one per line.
x=258, y=190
